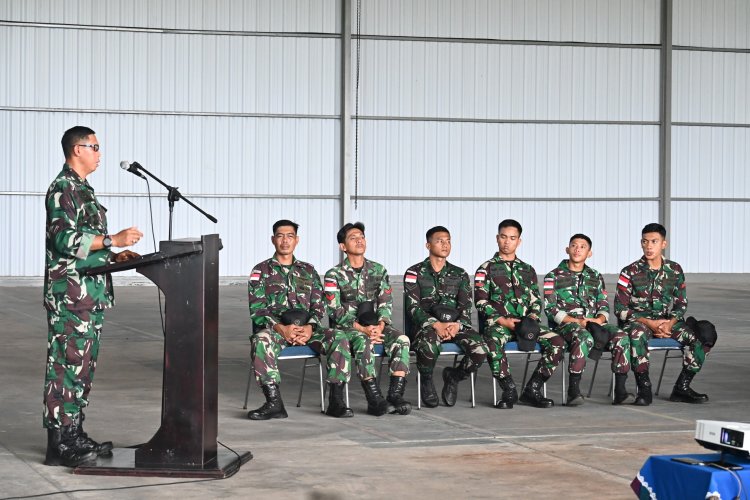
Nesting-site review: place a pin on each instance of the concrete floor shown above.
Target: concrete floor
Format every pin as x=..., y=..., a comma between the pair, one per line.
x=592, y=451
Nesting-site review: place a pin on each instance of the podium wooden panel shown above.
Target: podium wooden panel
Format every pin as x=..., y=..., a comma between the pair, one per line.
x=187, y=272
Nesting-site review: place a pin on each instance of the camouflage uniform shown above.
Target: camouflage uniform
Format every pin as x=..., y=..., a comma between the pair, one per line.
x=656, y=294
x=582, y=295
x=75, y=303
x=423, y=288
x=346, y=287
x=510, y=289
x=272, y=289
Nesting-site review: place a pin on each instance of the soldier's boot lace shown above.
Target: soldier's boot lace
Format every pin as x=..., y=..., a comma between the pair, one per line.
x=396, y=395
x=63, y=450
x=509, y=396
x=574, y=390
x=84, y=442
x=532, y=394
x=427, y=390
x=622, y=396
x=376, y=403
x=682, y=392
x=644, y=396
x=272, y=408
x=451, y=378
x=336, y=405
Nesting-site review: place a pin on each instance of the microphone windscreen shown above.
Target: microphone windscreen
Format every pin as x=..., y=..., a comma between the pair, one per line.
x=124, y=165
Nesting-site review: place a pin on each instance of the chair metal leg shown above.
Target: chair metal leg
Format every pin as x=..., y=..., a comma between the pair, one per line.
x=322, y=395
x=302, y=383
x=494, y=390
x=663, y=366
x=473, y=399
x=247, y=389
x=346, y=392
x=564, y=373
x=593, y=376
x=419, y=390
x=526, y=370
x=612, y=387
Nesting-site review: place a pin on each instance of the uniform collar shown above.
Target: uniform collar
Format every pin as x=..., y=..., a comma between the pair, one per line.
x=275, y=262
x=565, y=264
x=348, y=267
x=73, y=176
x=497, y=258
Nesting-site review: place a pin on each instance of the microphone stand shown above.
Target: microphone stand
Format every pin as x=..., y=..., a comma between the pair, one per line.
x=173, y=195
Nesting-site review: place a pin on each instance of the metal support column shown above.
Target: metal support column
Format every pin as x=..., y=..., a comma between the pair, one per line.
x=665, y=118
x=345, y=159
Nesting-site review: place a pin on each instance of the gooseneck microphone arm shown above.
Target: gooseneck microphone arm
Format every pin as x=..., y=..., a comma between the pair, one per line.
x=173, y=193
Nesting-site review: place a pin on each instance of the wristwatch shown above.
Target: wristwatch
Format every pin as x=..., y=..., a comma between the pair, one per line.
x=107, y=241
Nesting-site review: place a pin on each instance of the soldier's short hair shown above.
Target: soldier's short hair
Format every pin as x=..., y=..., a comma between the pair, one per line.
x=74, y=136
x=510, y=223
x=436, y=229
x=341, y=235
x=655, y=227
x=285, y=222
x=580, y=236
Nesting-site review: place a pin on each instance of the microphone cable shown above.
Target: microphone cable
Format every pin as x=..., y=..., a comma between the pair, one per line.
x=153, y=239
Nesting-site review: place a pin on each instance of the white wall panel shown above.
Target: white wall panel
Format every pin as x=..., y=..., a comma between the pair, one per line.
x=116, y=70
x=710, y=162
x=710, y=237
x=397, y=240
x=199, y=154
x=400, y=158
x=554, y=20
x=711, y=87
x=712, y=23
x=318, y=16
x=476, y=81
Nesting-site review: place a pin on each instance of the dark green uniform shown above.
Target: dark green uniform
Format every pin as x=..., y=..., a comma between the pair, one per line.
x=424, y=288
x=656, y=294
x=582, y=295
x=510, y=289
x=75, y=303
x=345, y=288
x=273, y=289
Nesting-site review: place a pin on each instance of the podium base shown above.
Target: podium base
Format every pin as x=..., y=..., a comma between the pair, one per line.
x=122, y=463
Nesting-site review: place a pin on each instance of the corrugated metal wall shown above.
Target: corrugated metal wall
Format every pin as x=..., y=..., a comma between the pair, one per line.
x=506, y=125
x=710, y=136
x=470, y=112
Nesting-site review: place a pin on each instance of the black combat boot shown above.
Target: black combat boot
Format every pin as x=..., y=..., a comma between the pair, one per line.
x=427, y=389
x=622, y=396
x=644, y=389
x=682, y=393
x=509, y=395
x=574, y=390
x=336, y=405
x=396, y=395
x=376, y=403
x=451, y=378
x=84, y=442
x=532, y=394
x=62, y=448
x=272, y=408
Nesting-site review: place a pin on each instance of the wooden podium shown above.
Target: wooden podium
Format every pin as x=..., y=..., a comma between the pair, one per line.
x=187, y=272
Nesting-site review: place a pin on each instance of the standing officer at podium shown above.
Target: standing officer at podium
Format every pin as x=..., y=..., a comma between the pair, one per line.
x=76, y=239
x=286, y=309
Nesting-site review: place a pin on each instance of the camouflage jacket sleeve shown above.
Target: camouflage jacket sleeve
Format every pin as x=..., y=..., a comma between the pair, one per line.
x=413, y=299
x=535, y=298
x=317, y=307
x=463, y=301
x=679, y=306
x=385, y=298
x=340, y=315
x=262, y=312
x=552, y=307
x=623, y=310
x=64, y=211
x=602, y=300
x=488, y=309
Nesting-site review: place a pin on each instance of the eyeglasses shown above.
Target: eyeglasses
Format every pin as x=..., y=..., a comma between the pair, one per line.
x=95, y=147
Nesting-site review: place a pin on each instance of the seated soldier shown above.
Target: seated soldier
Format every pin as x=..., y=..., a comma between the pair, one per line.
x=359, y=303
x=507, y=298
x=651, y=301
x=437, y=298
x=286, y=309
x=576, y=306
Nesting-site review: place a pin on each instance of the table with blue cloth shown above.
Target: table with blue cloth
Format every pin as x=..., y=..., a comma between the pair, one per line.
x=662, y=478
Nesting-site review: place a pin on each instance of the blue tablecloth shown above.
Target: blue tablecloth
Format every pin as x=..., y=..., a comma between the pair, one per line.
x=662, y=478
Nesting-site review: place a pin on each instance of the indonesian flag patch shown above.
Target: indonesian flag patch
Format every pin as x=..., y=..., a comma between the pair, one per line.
x=549, y=286
x=255, y=275
x=623, y=281
x=411, y=277
x=479, y=278
x=331, y=286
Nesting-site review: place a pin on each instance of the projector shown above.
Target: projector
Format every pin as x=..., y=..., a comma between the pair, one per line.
x=729, y=437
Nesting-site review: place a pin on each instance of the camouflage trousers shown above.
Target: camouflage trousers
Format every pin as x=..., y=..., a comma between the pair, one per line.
x=266, y=345
x=396, y=346
x=72, y=349
x=428, y=346
x=579, y=342
x=496, y=336
x=693, y=353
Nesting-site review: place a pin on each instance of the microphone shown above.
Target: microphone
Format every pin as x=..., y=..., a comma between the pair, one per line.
x=132, y=168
